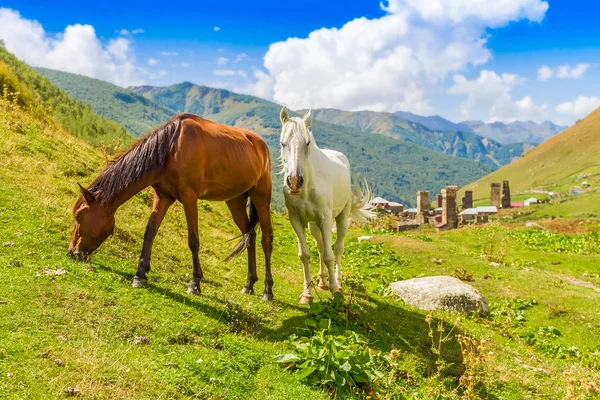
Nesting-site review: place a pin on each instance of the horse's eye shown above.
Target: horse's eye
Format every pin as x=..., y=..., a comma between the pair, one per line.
x=308, y=144
x=76, y=217
x=282, y=144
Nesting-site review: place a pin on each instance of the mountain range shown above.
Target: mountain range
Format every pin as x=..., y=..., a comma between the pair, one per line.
x=503, y=133
x=464, y=144
x=394, y=168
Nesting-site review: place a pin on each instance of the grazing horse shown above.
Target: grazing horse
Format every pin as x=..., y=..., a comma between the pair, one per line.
x=317, y=188
x=186, y=159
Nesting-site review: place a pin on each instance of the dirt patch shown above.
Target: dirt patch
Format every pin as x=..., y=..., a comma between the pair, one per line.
x=579, y=282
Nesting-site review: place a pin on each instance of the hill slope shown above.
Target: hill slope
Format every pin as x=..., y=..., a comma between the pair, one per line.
x=395, y=169
x=555, y=163
x=75, y=116
x=136, y=113
x=464, y=144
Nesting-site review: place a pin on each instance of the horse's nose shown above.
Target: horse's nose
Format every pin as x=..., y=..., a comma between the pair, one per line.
x=288, y=181
x=300, y=181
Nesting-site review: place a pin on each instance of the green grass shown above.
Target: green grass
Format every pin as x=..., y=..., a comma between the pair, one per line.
x=75, y=333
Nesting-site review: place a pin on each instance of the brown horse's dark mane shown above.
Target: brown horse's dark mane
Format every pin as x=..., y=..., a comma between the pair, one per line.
x=148, y=154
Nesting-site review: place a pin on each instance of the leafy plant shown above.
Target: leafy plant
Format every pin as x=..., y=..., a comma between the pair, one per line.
x=463, y=274
x=341, y=360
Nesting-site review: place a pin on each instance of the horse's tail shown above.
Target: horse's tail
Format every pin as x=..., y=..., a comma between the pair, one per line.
x=249, y=235
x=360, y=211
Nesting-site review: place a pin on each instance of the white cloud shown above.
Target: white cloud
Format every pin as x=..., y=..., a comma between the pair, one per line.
x=241, y=57
x=125, y=32
x=159, y=74
x=490, y=93
x=169, y=53
x=580, y=107
x=545, y=73
x=261, y=87
x=222, y=60
x=391, y=63
x=217, y=29
x=184, y=65
x=77, y=49
x=153, y=61
x=566, y=71
x=230, y=72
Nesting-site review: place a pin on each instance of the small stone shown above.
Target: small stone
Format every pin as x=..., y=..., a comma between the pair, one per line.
x=7, y=244
x=486, y=276
x=91, y=269
x=140, y=340
x=18, y=234
x=361, y=238
x=533, y=225
x=58, y=362
x=437, y=260
x=556, y=262
x=494, y=264
x=55, y=272
x=71, y=391
x=199, y=360
x=171, y=364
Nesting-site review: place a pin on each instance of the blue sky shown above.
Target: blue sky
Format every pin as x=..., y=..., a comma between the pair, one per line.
x=478, y=62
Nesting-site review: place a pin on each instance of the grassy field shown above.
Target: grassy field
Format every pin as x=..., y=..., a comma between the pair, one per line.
x=74, y=329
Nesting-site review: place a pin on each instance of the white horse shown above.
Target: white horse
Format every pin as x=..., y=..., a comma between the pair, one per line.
x=317, y=188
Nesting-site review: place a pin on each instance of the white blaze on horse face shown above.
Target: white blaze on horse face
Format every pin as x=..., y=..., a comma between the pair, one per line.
x=295, y=141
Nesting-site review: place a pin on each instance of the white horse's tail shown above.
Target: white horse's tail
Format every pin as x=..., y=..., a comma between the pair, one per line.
x=360, y=212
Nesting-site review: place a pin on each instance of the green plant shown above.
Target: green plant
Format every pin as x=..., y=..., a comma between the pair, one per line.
x=340, y=360
x=463, y=274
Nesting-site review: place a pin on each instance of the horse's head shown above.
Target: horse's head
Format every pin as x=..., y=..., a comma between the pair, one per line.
x=295, y=146
x=94, y=222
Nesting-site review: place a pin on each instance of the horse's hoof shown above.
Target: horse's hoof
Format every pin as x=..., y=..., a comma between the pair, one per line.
x=323, y=287
x=139, y=283
x=267, y=297
x=245, y=290
x=306, y=299
x=194, y=290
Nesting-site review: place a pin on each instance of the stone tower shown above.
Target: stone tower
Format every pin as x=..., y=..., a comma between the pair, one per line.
x=422, y=206
x=505, y=195
x=495, y=194
x=449, y=212
x=467, y=201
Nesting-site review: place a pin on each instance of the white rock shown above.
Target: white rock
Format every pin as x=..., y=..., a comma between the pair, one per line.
x=361, y=238
x=440, y=292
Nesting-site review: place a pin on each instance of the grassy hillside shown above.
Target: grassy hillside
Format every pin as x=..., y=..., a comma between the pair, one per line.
x=464, y=144
x=394, y=168
x=136, y=113
x=556, y=164
x=73, y=115
x=75, y=329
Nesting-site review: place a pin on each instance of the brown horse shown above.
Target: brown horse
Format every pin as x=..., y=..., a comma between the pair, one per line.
x=187, y=159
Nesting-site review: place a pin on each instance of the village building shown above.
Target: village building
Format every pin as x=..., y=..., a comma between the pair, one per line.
x=530, y=201
x=380, y=202
x=396, y=208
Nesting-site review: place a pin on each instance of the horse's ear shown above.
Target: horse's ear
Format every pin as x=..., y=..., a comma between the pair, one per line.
x=308, y=118
x=87, y=195
x=283, y=115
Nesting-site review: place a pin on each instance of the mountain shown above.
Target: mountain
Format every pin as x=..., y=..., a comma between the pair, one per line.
x=464, y=144
x=516, y=131
x=555, y=164
x=73, y=115
x=435, y=122
x=394, y=169
x=136, y=113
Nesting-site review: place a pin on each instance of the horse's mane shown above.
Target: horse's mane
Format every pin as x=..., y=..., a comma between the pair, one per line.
x=146, y=155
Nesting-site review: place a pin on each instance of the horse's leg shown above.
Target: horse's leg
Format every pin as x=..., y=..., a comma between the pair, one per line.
x=190, y=206
x=325, y=224
x=342, y=222
x=304, y=254
x=314, y=229
x=237, y=207
x=261, y=200
x=159, y=208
